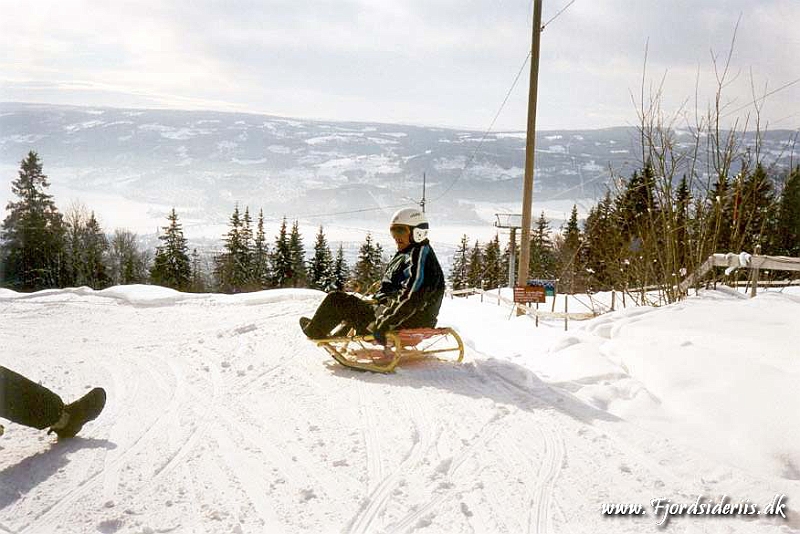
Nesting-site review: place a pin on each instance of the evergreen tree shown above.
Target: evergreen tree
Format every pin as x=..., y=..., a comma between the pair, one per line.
x=458, y=273
x=76, y=220
x=340, y=271
x=171, y=266
x=542, y=258
x=320, y=268
x=365, y=274
x=297, y=255
x=378, y=262
x=127, y=263
x=492, y=265
x=787, y=232
x=246, y=252
x=282, y=273
x=95, y=247
x=753, y=210
x=683, y=199
x=569, y=254
x=198, y=279
x=721, y=217
x=231, y=268
x=475, y=269
x=261, y=271
x=32, y=237
x=601, y=245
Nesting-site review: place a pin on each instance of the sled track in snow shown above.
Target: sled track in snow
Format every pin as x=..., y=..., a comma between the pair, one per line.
x=376, y=502
x=46, y=516
x=447, y=491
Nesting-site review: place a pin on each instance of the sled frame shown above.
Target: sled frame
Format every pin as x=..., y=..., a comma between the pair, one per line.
x=365, y=354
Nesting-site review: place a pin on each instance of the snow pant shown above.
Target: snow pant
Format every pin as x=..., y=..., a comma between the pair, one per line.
x=340, y=308
x=25, y=402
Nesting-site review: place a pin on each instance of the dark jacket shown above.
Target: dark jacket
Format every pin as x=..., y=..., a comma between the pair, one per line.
x=411, y=291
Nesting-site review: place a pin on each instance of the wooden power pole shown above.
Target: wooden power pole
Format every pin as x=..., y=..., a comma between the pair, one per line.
x=530, y=147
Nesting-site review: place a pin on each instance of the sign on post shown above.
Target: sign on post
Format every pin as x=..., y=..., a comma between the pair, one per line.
x=528, y=294
x=549, y=285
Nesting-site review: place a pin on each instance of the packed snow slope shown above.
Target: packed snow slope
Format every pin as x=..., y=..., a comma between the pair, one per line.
x=221, y=417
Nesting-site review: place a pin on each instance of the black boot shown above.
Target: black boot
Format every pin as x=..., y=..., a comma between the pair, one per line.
x=78, y=413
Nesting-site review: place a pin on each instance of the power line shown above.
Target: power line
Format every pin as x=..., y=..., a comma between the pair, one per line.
x=483, y=138
x=781, y=88
x=557, y=15
x=363, y=210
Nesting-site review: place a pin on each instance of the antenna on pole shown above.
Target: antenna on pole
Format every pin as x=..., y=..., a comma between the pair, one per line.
x=424, y=183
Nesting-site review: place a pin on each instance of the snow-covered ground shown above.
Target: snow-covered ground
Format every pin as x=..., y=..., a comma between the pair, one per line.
x=222, y=418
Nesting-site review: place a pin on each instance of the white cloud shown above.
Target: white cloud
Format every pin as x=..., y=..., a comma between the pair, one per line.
x=445, y=62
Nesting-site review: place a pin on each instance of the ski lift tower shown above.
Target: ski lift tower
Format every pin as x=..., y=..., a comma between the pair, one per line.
x=513, y=222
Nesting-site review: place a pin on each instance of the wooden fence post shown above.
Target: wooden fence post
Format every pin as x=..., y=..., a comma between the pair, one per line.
x=756, y=263
x=566, y=312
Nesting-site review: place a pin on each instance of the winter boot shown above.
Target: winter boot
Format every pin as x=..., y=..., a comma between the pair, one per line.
x=78, y=413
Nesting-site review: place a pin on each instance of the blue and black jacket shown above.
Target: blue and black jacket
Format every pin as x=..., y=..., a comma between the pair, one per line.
x=411, y=290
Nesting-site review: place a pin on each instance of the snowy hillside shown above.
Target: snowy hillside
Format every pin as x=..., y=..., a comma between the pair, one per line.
x=132, y=166
x=222, y=418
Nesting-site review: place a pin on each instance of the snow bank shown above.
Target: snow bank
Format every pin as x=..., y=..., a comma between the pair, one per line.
x=719, y=370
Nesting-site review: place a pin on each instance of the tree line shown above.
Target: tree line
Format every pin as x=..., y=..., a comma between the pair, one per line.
x=42, y=248
x=644, y=233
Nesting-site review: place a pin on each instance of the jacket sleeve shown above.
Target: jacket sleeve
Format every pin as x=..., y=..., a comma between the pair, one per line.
x=411, y=298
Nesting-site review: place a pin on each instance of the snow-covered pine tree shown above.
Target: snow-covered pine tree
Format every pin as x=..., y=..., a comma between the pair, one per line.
x=281, y=259
x=458, y=273
x=171, y=266
x=297, y=257
x=341, y=271
x=320, y=268
x=32, y=237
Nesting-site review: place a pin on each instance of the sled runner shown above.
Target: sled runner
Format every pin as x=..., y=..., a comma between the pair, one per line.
x=363, y=353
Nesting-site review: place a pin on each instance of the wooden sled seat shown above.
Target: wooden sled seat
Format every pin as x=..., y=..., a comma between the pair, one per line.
x=362, y=352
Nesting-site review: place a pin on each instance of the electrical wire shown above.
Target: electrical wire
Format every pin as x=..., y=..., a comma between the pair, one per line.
x=781, y=88
x=554, y=17
x=488, y=130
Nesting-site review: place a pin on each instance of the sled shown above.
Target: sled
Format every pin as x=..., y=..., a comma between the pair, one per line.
x=365, y=354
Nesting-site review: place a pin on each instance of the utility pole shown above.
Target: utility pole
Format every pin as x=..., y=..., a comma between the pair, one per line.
x=530, y=146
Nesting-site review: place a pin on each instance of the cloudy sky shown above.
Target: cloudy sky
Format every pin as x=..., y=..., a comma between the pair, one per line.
x=431, y=62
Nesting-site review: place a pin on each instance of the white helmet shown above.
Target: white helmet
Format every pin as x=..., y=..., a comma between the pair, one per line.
x=415, y=219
